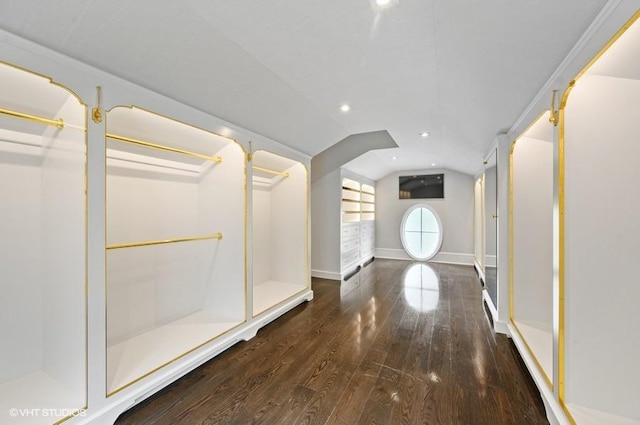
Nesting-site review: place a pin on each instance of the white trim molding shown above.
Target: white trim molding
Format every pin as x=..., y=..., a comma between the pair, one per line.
x=322, y=274
x=440, y=257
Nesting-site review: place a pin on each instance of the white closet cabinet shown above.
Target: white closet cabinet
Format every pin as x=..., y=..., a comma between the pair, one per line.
x=357, y=233
x=531, y=211
x=43, y=263
x=599, y=134
x=175, y=241
x=367, y=222
x=280, y=230
x=350, y=229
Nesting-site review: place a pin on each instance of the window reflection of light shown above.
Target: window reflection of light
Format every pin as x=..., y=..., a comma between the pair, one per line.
x=421, y=287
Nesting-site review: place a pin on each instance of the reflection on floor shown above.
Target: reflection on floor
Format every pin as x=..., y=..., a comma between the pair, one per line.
x=403, y=342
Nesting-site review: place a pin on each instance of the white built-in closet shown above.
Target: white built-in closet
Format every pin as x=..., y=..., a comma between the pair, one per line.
x=43, y=309
x=574, y=232
x=280, y=228
x=357, y=233
x=599, y=201
x=175, y=241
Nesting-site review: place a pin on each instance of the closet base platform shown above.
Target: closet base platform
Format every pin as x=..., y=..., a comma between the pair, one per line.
x=105, y=410
x=270, y=293
x=38, y=398
x=142, y=354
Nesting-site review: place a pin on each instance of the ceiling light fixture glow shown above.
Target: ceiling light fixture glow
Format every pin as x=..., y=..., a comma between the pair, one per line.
x=345, y=108
x=424, y=134
x=377, y=5
x=394, y=157
x=433, y=164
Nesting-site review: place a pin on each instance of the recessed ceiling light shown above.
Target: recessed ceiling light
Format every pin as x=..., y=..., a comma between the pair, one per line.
x=394, y=157
x=345, y=108
x=433, y=164
x=424, y=134
x=383, y=4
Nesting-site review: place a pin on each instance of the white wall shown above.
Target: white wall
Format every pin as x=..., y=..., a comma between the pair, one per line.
x=455, y=211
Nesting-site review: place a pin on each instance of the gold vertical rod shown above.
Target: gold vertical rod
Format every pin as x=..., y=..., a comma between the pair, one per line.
x=217, y=236
x=124, y=139
x=56, y=123
x=266, y=170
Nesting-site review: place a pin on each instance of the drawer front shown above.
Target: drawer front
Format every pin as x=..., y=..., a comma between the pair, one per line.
x=350, y=257
x=348, y=245
x=350, y=229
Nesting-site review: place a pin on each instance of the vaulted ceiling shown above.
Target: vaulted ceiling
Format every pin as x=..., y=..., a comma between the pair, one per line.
x=463, y=70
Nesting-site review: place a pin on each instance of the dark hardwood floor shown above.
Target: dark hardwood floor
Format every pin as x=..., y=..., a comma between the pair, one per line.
x=388, y=347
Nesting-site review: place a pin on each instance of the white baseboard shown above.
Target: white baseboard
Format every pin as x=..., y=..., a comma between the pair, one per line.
x=322, y=274
x=441, y=257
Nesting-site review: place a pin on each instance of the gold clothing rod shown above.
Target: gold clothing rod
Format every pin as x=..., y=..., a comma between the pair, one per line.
x=266, y=170
x=56, y=123
x=164, y=148
x=217, y=236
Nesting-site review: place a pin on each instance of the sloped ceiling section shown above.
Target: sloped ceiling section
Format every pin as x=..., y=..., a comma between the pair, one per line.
x=464, y=70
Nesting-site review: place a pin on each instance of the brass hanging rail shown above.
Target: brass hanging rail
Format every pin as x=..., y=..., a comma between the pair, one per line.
x=124, y=139
x=217, y=236
x=266, y=170
x=59, y=123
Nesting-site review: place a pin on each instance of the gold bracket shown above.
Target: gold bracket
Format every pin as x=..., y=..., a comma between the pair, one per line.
x=96, y=113
x=553, y=113
x=250, y=153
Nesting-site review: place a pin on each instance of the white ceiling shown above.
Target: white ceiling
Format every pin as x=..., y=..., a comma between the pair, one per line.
x=464, y=70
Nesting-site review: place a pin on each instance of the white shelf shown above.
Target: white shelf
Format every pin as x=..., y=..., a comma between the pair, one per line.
x=38, y=398
x=585, y=416
x=540, y=341
x=269, y=293
x=131, y=359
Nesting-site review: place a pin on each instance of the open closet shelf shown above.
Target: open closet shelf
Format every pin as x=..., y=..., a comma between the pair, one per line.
x=175, y=250
x=279, y=227
x=532, y=236
x=42, y=163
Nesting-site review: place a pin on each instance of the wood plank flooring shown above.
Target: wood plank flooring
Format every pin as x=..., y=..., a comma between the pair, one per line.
x=388, y=347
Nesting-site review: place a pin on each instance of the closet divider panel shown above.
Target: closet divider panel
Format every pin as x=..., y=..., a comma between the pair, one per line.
x=43, y=265
x=175, y=241
x=600, y=129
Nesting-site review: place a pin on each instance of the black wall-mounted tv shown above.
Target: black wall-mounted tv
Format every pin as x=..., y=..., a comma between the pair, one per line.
x=427, y=186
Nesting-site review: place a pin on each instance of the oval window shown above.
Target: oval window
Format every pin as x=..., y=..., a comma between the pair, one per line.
x=421, y=232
